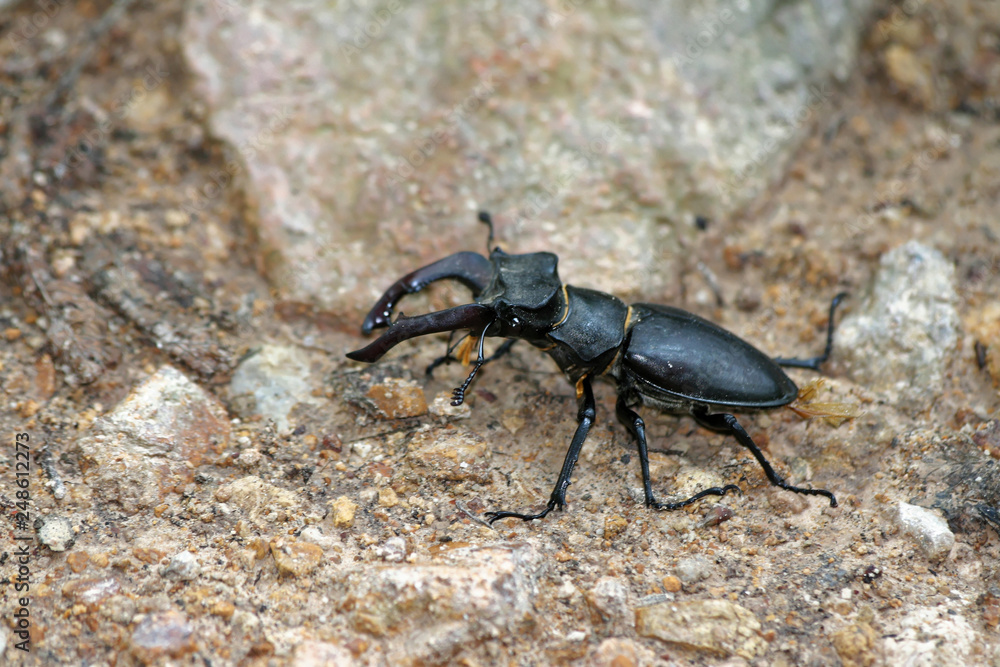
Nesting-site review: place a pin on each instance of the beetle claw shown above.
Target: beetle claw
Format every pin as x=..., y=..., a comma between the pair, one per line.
x=496, y=516
x=714, y=491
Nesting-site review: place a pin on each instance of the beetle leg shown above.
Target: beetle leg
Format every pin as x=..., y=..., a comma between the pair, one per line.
x=814, y=362
x=458, y=396
x=502, y=350
x=446, y=358
x=585, y=417
x=469, y=268
x=470, y=316
x=726, y=423
x=633, y=422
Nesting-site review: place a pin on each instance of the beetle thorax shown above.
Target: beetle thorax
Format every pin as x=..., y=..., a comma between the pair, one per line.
x=526, y=294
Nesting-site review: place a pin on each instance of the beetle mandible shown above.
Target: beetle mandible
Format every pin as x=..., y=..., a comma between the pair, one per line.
x=659, y=356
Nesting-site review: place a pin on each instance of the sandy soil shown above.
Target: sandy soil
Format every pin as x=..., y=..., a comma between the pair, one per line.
x=822, y=585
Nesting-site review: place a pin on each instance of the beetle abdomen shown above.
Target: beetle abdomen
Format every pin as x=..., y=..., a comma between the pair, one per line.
x=672, y=354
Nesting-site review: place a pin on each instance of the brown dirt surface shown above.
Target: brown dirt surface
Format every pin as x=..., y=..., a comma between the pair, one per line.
x=359, y=538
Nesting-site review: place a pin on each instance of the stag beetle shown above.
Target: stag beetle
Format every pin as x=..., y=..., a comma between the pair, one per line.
x=659, y=356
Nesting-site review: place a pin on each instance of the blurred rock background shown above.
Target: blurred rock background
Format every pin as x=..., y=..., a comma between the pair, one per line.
x=368, y=133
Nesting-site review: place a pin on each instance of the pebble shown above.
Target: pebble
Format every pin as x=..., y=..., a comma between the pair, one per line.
x=246, y=622
x=614, y=526
x=856, y=644
x=120, y=609
x=927, y=528
x=904, y=329
x=321, y=654
x=223, y=609
x=671, y=584
x=393, y=550
x=249, y=459
x=296, y=558
x=78, y=561
x=911, y=75
x=162, y=634
x=277, y=378
x=512, y=420
x=715, y=515
x=718, y=627
x=930, y=636
x=343, y=512
x=449, y=453
x=255, y=497
x=152, y=440
x=315, y=536
x=165, y=413
x=398, y=399
x=617, y=652
x=427, y=613
x=184, y=566
x=387, y=497
x=56, y=533
x=441, y=407
x=91, y=592
x=692, y=570
x=610, y=599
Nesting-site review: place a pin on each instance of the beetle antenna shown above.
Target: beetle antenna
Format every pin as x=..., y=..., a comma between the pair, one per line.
x=487, y=219
x=458, y=396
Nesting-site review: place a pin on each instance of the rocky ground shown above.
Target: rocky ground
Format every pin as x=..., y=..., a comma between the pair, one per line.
x=212, y=482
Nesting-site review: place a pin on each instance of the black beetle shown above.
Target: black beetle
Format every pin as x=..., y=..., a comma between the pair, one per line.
x=658, y=355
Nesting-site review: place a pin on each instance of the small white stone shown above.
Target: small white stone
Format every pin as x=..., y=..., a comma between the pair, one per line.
x=693, y=570
x=441, y=407
x=315, y=536
x=56, y=533
x=393, y=550
x=183, y=566
x=249, y=458
x=362, y=449
x=610, y=597
x=929, y=530
x=566, y=591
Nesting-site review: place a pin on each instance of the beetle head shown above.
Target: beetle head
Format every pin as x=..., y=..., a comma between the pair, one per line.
x=526, y=294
